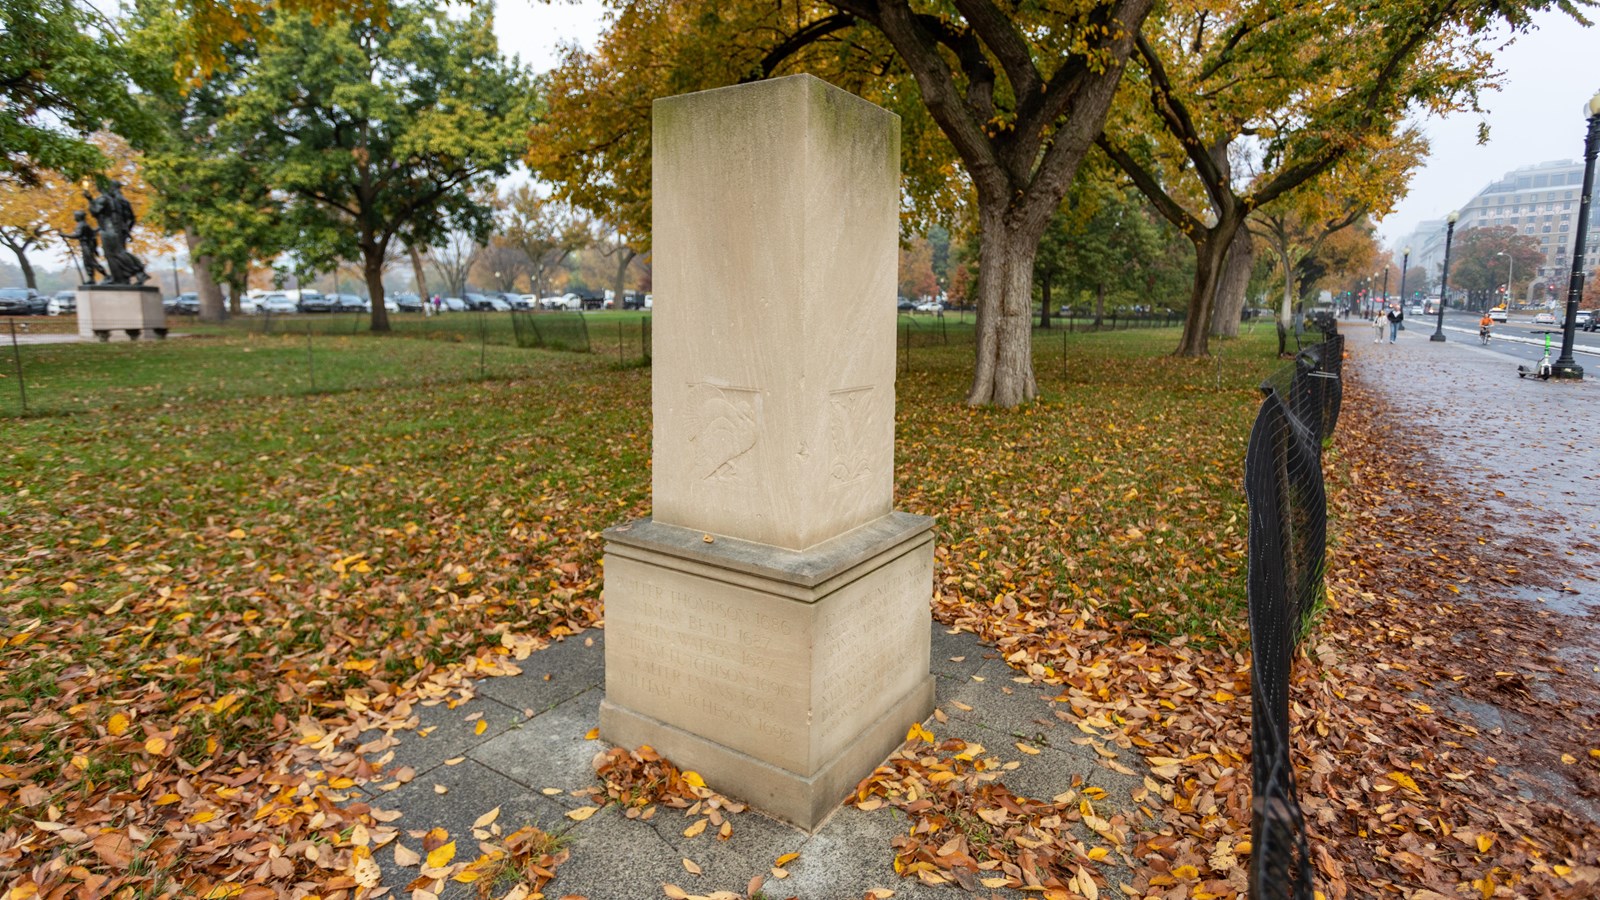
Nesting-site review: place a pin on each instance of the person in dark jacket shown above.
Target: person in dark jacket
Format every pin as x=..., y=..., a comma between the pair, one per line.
x=1396, y=316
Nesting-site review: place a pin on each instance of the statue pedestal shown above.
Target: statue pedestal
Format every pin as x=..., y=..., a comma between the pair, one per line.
x=135, y=309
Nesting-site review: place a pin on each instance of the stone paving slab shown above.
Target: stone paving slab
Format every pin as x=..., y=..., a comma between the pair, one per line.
x=536, y=754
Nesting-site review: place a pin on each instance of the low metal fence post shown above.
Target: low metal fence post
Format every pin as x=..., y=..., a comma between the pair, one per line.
x=16, y=357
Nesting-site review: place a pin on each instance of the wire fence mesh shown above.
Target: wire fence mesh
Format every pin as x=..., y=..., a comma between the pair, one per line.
x=1288, y=542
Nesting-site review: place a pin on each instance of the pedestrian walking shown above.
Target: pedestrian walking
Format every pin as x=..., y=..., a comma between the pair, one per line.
x=1377, y=329
x=1396, y=318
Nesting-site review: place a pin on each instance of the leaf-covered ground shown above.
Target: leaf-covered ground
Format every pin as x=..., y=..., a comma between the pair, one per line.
x=211, y=589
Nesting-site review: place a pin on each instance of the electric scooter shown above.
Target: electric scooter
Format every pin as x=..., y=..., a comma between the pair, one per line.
x=1542, y=370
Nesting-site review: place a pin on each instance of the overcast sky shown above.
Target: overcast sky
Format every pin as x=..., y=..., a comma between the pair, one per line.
x=1537, y=117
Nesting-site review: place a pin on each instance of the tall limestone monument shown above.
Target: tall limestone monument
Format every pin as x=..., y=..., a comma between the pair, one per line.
x=768, y=627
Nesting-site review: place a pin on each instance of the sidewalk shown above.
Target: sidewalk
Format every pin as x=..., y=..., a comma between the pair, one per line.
x=533, y=760
x=1533, y=441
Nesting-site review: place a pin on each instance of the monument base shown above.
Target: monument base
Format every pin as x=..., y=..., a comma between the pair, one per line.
x=782, y=677
x=132, y=308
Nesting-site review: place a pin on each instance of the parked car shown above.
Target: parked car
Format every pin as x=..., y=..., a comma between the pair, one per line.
x=346, y=302
x=566, y=301
x=1594, y=321
x=63, y=303
x=1498, y=314
x=407, y=302
x=523, y=301
x=905, y=305
x=476, y=302
x=453, y=304
x=315, y=301
x=21, y=302
x=1545, y=318
x=276, y=304
x=931, y=306
x=185, y=304
x=1581, y=320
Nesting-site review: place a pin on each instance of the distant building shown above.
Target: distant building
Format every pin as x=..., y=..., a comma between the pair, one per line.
x=1540, y=201
x=1427, y=253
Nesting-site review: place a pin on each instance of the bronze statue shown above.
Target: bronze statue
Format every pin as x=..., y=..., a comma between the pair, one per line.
x=115, y=215
x=88, y=246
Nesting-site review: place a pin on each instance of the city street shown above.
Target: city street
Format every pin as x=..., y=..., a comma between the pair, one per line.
x=1517, y=339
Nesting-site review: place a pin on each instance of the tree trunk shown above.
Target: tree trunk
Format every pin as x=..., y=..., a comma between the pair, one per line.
x=1099, y=303
x=1286, y=311
x=1233, y=285
x=1044, y=308
x=625, y=257
x=210, y=293
x=416, y=272
x=1003, y=375
x=238, y=284
x=1210, y=247
x=372, y=268
x=24, y=265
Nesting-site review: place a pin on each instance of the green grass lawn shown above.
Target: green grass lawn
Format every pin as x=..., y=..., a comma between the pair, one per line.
x=197, y=540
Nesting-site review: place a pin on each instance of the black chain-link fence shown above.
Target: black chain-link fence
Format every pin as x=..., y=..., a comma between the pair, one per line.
x=568, y=332
x=1288, y=539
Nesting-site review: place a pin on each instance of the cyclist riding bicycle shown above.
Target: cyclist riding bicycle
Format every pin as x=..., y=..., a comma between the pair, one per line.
x=1484, y=324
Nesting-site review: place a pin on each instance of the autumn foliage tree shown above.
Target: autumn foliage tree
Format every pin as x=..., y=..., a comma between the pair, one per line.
x=61, y=80
x=1482, y=258
x=34, y=217
x=378, y=133
x=545, y=230
x=1292, y=88
x=1361, y=185
x=1005, y=100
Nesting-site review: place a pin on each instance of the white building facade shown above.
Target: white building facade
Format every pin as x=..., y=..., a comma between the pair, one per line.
x=1539, y=201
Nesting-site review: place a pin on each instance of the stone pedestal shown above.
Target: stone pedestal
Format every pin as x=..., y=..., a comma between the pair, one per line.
x=769, y=626
x=783, y=677
x=134, y=309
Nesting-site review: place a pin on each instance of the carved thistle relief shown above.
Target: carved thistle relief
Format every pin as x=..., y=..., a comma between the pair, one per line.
x=850, y=433
x=724, y=425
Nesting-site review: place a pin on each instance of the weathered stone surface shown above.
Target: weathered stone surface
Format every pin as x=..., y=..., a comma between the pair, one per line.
x=787, y=674
x=776, y=221
x=769, y=627
x=119, y=307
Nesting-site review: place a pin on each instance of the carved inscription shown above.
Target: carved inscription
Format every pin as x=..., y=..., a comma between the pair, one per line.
x=697, y=659
x=867, y=642
x=849, y=433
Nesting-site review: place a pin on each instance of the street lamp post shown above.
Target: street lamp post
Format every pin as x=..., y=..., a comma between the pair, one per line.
x=1405, y=264
x=1511, y=266
x=1444, y=279
x=1565, y=366
x=1385, y=300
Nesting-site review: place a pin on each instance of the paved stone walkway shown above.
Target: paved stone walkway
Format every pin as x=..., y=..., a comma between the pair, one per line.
x=1535, y=442
x=535, y=740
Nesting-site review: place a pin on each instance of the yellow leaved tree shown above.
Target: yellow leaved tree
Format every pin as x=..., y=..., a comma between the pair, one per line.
x=35, y=219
